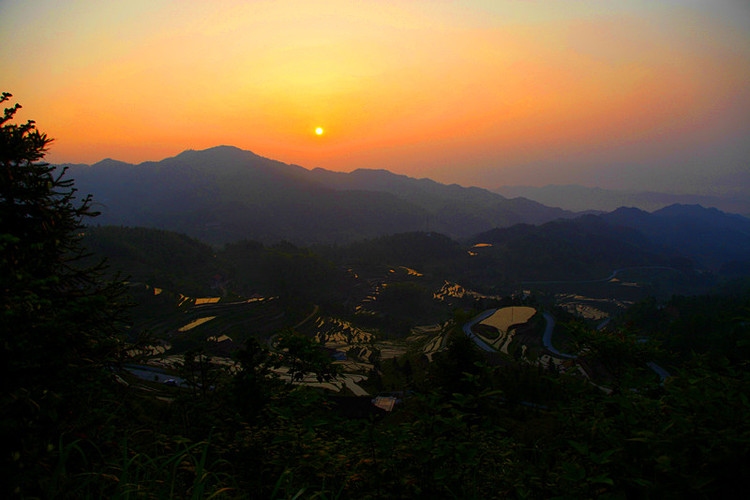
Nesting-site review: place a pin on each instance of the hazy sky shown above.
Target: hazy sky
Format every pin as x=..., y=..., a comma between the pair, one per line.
x=619, y=94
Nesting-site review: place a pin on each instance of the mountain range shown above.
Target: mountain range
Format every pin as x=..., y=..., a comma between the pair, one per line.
x=580, y=198
x=225, y=194
x=681, y=237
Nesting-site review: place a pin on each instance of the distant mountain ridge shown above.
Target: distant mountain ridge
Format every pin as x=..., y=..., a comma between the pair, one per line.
x=226, y=194
x=587, y=247
x=682, y=237
x=580, y=198
x=707, y=235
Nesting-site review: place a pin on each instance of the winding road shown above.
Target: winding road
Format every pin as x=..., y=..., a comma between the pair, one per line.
x=546, y=339
x=478, y=319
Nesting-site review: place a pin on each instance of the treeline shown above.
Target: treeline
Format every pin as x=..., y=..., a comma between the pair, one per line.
x=182, y=264
x=577, y=249
x=714, y=325
x=336, y=278
x=587, y=248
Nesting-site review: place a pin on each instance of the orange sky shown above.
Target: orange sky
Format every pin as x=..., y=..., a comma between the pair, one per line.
x=613, y=93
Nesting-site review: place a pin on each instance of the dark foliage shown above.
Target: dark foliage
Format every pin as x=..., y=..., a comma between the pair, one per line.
x=157, y=257
x=59, y=325
x=578, y=249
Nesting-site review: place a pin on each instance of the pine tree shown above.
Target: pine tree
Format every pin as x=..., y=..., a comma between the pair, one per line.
x=58, y=318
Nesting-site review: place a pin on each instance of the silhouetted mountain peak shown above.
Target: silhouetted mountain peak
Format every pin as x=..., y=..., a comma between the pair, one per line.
x=109, y=163
x=632, y=211
x=215, y=153
x=628, y=216
x=708, y=234
x=682, y=210
x=226, y=193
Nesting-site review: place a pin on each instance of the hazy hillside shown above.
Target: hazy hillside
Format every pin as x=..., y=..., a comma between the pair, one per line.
x=225, y=194
x=584, y=248
x=580, y=198
x=454, y=209
x=679, y=236
x=161, y=258
x=711, y=237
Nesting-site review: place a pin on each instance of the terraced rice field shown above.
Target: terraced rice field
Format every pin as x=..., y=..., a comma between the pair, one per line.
x=207, y=300
x=502, y=320
x=508, y=316
x=195, y=323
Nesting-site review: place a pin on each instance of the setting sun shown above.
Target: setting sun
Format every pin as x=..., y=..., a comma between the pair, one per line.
x=319, y=131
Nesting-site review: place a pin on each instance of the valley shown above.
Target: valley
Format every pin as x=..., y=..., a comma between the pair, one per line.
x=404, y=365
x=253, y=329
x=378, y=311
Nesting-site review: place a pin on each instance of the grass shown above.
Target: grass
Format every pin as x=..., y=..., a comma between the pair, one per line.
x=183, y=472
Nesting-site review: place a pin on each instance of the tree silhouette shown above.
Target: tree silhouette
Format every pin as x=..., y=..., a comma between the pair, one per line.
x=59, y=319
x=303, y=356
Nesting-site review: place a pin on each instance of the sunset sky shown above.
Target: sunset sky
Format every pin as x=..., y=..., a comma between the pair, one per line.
x=620, y=94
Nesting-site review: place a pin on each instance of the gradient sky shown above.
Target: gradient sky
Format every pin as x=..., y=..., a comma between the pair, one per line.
x=617, y=94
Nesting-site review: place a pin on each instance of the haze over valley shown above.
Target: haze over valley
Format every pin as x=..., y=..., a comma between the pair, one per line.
x=224, y=194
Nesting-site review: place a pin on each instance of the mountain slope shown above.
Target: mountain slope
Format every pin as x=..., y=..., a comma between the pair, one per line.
x=580, y=198
x=588, y=247
x=708, y=235
x=455, y=210
x=226, y=194
x=679, y=236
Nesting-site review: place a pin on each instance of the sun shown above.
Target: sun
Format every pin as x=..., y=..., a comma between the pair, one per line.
x=319, y=131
